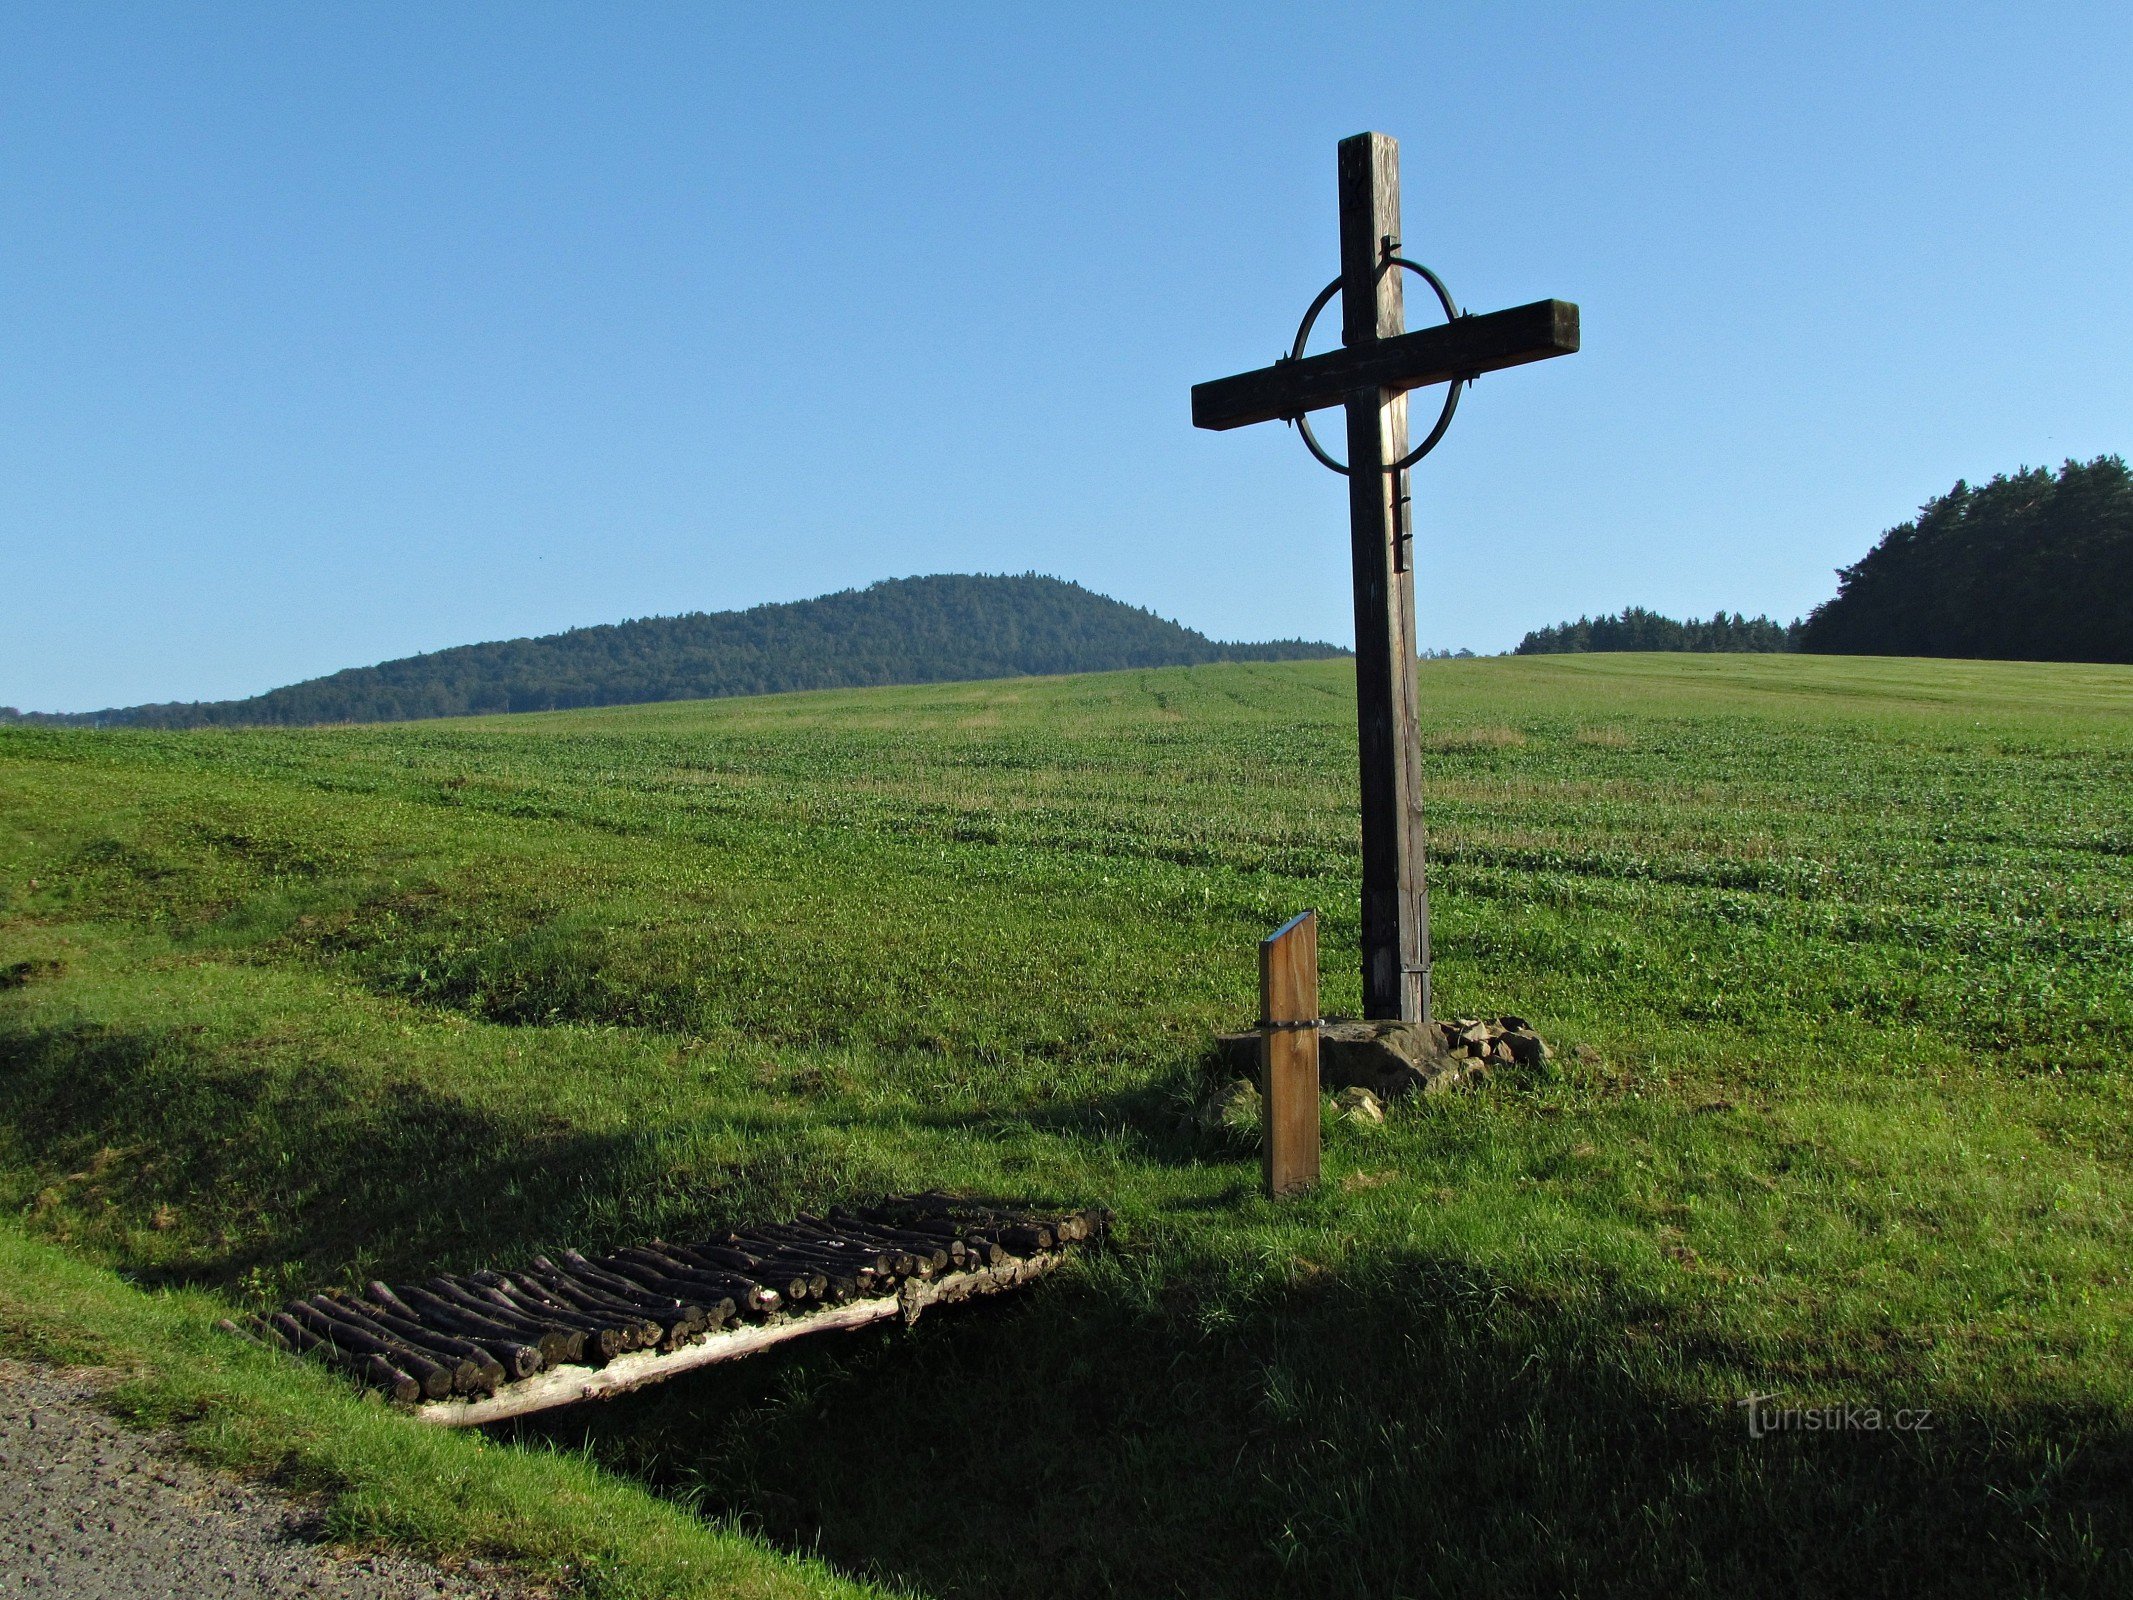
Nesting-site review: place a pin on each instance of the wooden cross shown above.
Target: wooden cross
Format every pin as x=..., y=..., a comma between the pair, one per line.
x=1370, y=376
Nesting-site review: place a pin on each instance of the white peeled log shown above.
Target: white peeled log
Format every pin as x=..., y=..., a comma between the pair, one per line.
x=569, y=1385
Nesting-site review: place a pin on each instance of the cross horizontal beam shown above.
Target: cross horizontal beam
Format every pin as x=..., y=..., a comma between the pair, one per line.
x=1463, y=348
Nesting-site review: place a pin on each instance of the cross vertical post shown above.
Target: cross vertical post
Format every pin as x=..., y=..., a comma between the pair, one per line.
x=1368, y=378
x=1395, y=906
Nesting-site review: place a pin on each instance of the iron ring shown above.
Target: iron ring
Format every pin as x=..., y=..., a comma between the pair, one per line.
x=1451, y=399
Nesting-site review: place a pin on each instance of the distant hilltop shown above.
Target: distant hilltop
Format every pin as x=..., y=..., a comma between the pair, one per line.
x=903, y=630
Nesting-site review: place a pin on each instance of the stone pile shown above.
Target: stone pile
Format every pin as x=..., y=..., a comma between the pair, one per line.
x=1497, y=1041
x=1380, y=1061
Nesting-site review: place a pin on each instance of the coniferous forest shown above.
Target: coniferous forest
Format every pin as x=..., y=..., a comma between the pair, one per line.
x=1639, y=629
x=2033, y=566
x=905, y=630
x=2037, y=566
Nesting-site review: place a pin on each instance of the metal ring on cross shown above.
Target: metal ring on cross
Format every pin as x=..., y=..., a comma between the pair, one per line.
x=1451, y=400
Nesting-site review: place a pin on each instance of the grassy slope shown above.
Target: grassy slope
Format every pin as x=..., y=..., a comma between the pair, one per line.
x=384, y=1480
x=1848, y=938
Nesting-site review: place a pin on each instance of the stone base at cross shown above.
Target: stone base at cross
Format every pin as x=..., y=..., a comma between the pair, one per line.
x=1393, y=1059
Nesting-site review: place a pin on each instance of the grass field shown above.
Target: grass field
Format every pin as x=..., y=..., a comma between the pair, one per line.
x=1846, y=941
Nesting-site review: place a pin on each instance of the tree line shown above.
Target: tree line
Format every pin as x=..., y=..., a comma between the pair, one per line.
x=908, y=630
x=1638, y=629
x=2033, y=566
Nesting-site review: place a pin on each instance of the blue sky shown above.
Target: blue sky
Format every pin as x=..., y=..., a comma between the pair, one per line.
x=337, y=333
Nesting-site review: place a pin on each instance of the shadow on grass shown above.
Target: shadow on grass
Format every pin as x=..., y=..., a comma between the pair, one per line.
x=1425, y=1432
x=1411, y=1427
x=257, y=1171
x=194, y=1165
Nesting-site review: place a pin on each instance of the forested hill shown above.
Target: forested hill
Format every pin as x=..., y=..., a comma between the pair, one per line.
x=2037, y=566
x=907, y=630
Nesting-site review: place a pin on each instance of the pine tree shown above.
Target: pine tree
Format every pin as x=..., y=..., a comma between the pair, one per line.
x=2029, y=567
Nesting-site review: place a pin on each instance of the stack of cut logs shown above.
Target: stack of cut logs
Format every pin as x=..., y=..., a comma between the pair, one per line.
x=472, y=1334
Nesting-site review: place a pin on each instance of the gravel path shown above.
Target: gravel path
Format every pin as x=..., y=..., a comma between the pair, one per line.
x=90, y=1509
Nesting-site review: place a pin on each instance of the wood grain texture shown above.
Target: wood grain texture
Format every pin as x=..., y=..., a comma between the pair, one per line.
x=1288, y=1089
x=1465, y=348
x=1373, y=303
x=1395, y=907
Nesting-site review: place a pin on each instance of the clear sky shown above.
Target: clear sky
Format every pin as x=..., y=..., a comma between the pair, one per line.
x=334, y=333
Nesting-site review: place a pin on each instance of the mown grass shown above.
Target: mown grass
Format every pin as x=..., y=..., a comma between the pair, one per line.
x=1845, y=941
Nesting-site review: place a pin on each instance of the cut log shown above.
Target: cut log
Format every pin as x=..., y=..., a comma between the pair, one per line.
x=437, y=1378
x=606, y=1335
x=285, y=1329
x=1077, y=1227
x=418, y=1335
x=499, y=1364
x=989, y=1250
x=671, y=1322
x=719, y=1307
x=885, y=1255
x=643, y=1328
x=832, y=1281
x=382, y=1374
x=557, y=1341
x=547, y=1345
x=596, y=1276
x=688, y=1308
x=374, y=1372
x=825, y=1247
x=795, y=1283
x=787, y=1285
x=940, y=1254
x=933, y=1227
x=775, y=1291
x=351, y=1332
x=746, y=1293
x=855, y=1271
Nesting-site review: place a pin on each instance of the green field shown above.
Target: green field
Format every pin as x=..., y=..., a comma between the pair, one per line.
x=1846, y=944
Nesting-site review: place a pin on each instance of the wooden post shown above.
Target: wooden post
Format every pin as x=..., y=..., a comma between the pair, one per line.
x=1288, y=1054
x=1395, y=906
